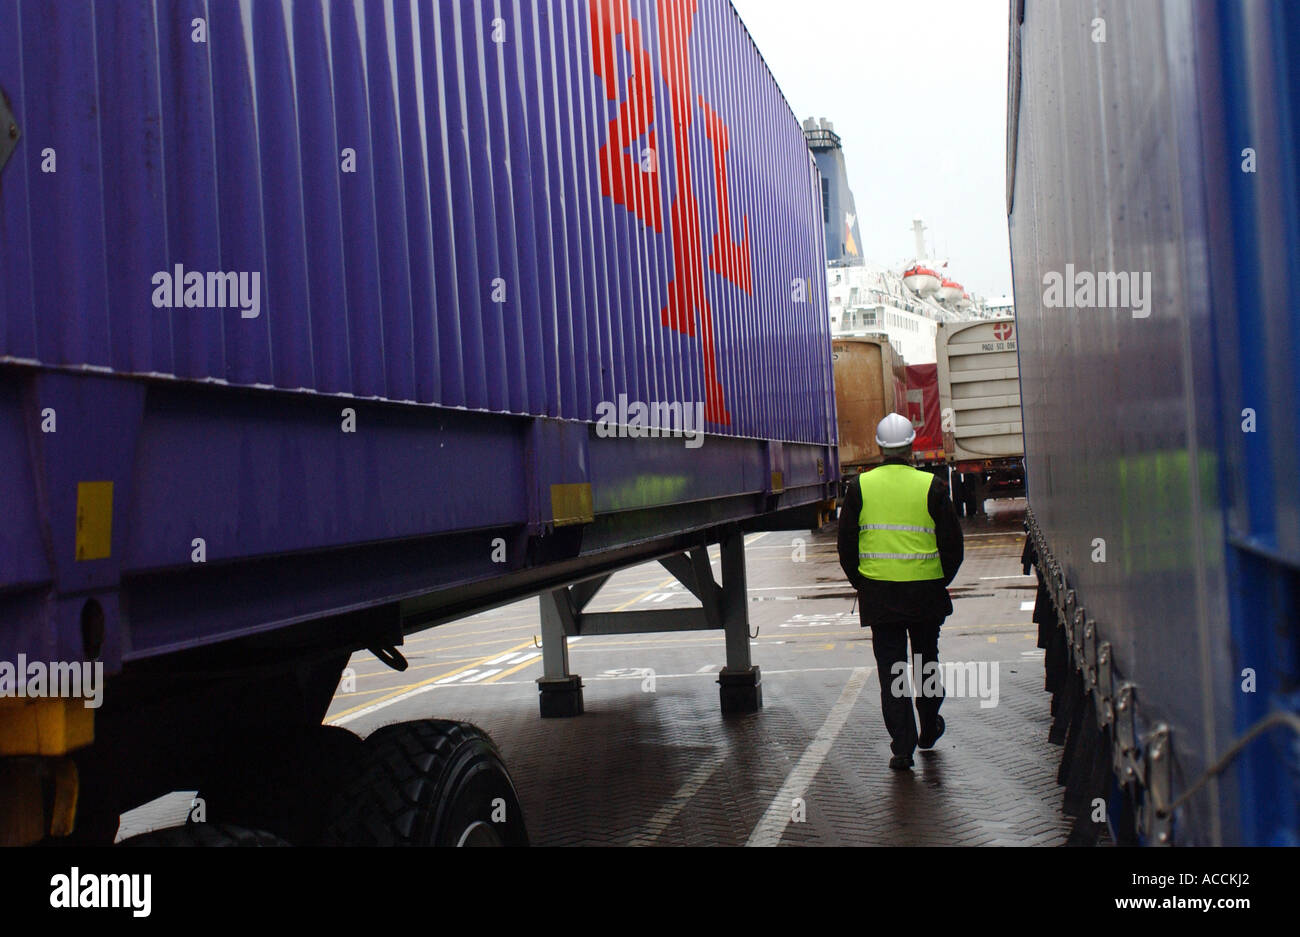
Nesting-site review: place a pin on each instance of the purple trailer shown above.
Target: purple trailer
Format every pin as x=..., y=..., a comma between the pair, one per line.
x=323, y=323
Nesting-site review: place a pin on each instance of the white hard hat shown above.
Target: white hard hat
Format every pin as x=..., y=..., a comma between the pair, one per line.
x=895, y=431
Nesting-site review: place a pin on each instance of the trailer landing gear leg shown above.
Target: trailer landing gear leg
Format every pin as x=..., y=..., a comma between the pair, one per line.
x=740, y=684
x=559, y=692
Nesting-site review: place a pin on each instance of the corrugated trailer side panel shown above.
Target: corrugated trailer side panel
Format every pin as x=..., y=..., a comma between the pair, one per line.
x=469, y=228
x=979, y=388
x=1174, y=525
x=508, y=206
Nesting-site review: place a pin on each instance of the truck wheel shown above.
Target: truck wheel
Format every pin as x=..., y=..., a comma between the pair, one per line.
x=428, y=783
x=205, y=834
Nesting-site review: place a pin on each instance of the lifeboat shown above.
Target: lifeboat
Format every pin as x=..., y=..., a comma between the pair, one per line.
x=950, y=292
x=921, y=280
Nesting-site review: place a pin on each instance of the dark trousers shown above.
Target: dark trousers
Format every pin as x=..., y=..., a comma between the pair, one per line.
x=889, y=642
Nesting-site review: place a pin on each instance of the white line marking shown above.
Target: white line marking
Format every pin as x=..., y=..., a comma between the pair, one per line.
x=514, y=657
x=486, y=673
x=707, y=668
x=773, y=823
x=1026, y=606
x=454, y=677
x=664, y=816
x=832, y=585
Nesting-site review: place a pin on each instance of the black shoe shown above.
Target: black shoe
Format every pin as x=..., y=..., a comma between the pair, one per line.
x=927, y=740
x=900, y=762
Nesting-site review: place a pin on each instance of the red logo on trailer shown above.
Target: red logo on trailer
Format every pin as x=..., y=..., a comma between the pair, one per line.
x=623, y=180
x=1002, y=331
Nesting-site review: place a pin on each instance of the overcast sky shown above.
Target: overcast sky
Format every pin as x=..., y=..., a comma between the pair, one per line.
x=917, y=91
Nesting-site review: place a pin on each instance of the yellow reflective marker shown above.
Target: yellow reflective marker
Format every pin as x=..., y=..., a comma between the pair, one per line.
x=572, y=504
x=53, y=726
x=94, y=520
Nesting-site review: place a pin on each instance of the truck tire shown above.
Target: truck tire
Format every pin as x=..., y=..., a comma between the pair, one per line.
x=428, y=783
x=285, y=783
x=205, y=834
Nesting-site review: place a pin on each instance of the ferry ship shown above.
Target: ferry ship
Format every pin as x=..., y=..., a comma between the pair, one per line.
x=906, y=303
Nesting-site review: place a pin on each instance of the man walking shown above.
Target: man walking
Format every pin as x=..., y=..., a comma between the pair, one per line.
x=900, y=545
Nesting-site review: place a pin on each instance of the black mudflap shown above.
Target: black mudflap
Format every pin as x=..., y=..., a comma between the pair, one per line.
x=1085, y=769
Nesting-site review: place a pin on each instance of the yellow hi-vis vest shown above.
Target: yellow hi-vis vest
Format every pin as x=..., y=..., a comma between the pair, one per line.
x=896, y=539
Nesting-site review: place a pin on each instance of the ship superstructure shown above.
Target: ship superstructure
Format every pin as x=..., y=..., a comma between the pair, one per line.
x=906, y=301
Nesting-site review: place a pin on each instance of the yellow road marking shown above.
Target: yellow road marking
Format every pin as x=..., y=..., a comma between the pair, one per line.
x=378, y=689
x=412, y=668
x=436, y=633
x=651, y=591
x=515, y=669
x=398, y=691
x=455, y=647
x=502, y=631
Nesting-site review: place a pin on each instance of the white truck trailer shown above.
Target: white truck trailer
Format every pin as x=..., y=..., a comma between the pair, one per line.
x=979, y=401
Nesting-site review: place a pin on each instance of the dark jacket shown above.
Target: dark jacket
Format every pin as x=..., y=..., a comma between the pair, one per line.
x=921, y=601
